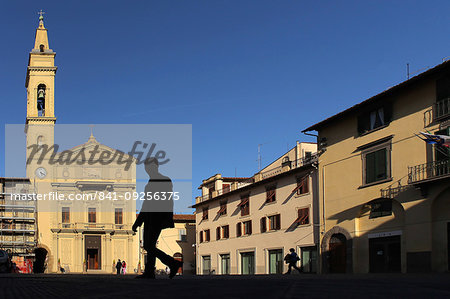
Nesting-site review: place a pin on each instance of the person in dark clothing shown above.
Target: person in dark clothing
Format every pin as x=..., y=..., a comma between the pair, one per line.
x=156, y=214
x=118, y=266
x=292, y=259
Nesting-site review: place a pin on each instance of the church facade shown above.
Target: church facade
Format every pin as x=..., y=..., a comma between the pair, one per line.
x=85, y=229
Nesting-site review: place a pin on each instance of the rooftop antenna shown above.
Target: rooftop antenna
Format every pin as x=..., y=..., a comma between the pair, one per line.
x=407, y=71
x=259, y=156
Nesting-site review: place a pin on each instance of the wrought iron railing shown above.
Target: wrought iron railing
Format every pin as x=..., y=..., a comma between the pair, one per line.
x=428, y=171
x=392, y=192
x=442, y=108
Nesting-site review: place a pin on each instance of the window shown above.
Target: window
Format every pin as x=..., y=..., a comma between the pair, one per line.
x=223, y=209
x=206, y=261
x=245, y=206
x=225, y=231
x=207, y=235
x=303, y=216
x=247, y=227
x=225, y=263
x=118, y=216
x=65, y=215
x=302, y=185
x=238, y=229
x=218, y=233
x=205, y=214
x=92, y=217
x=182, y=237
x=376, y=165
x=442, y=106
x=210, y=192
x=263, y=225
x=380, y=208
x=226, y=188
x=275, y=222
x=200, y=235
x=374, y=119
x=271, y=194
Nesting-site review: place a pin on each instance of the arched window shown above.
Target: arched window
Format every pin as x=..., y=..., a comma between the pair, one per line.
x=41, y=92
x=41, y=48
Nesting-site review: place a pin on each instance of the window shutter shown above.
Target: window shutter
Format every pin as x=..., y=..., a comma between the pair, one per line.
x=238, y=229
x=387, y=113
x=278, y=221
x=250, y=227
x=263, y=225
x=218, y=233
x=201, y=236
x=306, y=184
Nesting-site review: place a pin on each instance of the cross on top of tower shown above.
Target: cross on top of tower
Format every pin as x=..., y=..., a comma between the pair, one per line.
x=41, y=13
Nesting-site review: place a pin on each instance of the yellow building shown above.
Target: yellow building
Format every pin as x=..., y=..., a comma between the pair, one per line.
x=385, y=193
x=74, y=234
x=248, y=225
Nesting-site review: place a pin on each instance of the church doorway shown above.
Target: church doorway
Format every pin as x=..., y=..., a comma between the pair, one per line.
x=93, y=252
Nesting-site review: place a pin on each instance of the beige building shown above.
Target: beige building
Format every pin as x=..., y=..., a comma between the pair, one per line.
x=385, y=193
x=248, y=225
x=177, y=242
x=83, y=231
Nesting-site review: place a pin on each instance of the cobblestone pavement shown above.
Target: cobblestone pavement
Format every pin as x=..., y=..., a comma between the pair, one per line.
x=260, y=286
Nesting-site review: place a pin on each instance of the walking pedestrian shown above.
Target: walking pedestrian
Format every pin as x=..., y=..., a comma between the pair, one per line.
x=292, y=259
x=156, y=215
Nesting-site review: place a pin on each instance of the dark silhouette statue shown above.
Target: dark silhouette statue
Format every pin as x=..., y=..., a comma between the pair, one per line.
x=156, y=214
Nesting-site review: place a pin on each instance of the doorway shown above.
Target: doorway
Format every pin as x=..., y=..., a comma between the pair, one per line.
x=92, y=259
x=385, y=255
x=93, y=252
x=338, y=253
x=309, y=260
x=276, y=261
x=248, y=263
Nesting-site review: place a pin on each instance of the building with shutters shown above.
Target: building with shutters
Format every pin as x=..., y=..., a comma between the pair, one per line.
x=385, y=193
x=247, y=225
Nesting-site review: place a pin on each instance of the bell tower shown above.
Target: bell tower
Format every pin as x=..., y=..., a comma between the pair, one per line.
x=40, y=85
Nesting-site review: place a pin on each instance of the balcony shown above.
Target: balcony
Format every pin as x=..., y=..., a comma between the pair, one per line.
x=289, y=165
x=86, y=227
x=441, y=109
x=429, y=171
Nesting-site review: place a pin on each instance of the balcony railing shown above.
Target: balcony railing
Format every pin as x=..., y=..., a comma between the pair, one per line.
x=82, y=226
x=428, y=171
x=442, y=108
x=392, y=192
x=292, y=165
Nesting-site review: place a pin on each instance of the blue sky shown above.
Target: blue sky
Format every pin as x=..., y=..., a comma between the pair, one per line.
x=242, y=73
